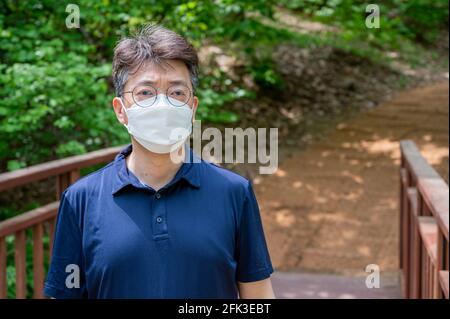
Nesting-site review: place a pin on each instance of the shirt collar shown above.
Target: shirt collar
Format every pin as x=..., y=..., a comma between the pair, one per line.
x=189, y=171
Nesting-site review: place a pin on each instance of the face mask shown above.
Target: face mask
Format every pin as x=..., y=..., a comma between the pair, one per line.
x=160, y=128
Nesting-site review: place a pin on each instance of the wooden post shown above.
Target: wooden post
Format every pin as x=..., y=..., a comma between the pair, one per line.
x=3, y=255
x=38, y=261
x=404, y=246
x=51, y=235
x=20, y=261
x=64, y=180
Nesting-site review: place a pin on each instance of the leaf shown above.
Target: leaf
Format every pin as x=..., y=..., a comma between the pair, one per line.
x=13, y=165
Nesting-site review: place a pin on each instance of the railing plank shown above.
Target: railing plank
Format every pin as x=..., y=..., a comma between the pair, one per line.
x=436, y=196
x=413, y=200
x=402, y=204
x=416, y=164
x=3, y=255
x=38, y=261
x=20, y=261
x=428, y=233
x=41, y=171
x=29, y=219
x=51, y=235
x=443, y=280
x=414, y=244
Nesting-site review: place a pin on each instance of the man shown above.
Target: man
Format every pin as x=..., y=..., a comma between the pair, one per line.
x=158, y=222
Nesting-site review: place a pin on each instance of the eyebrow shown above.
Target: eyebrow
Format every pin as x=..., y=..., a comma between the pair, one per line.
x=152, y=83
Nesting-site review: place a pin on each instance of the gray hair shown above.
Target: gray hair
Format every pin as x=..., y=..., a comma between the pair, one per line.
x=153, y=43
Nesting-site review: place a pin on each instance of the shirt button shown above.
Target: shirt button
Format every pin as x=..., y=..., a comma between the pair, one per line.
x=158, y=219
x=158, y=195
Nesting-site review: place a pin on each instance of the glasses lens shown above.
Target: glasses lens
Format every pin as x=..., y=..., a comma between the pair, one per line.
x=144, y=96
x=178, y=95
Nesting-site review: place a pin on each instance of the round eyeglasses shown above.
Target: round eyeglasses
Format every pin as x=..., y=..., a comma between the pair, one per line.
x=146, y=95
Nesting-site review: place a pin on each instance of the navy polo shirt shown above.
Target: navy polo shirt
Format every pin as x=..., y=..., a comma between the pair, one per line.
x=194, y=238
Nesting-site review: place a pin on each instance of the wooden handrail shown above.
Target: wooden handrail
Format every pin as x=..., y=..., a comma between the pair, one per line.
x=41, y=220
x=415, y=163
x=29, y=219
x=436, y=195
x=424, y=219
x=41, y=171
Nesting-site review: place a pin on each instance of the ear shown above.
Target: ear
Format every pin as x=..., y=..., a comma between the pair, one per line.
x=194, y=108
x=119, y=110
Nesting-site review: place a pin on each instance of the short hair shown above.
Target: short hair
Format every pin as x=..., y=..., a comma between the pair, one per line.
x=156, y=44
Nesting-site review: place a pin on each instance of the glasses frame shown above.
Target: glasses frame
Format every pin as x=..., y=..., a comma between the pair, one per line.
x=191, y=95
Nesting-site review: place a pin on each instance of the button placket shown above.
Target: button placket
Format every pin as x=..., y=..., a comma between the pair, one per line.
x=159, y=217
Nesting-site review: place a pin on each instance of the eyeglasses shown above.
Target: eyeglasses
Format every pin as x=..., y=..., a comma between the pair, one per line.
x=146, y=95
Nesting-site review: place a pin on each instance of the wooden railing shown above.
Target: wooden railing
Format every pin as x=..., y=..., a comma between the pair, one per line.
x=424, y=219
x=41, y=221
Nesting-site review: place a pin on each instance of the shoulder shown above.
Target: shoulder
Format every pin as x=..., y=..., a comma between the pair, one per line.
x=231, y=190
x=219, y=177
x=90, y=184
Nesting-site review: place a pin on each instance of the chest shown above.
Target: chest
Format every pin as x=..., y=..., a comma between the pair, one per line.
x=151, y=229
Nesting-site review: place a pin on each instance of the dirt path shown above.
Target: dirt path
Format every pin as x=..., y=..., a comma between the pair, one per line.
x=334, y=207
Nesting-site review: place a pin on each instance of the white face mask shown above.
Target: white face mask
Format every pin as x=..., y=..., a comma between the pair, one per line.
x=160, y=128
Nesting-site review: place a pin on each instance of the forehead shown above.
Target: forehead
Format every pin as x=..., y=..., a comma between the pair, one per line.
x=160, y=74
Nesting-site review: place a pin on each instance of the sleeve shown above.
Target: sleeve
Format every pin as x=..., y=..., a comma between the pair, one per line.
x=65, y=279
x=253, y=259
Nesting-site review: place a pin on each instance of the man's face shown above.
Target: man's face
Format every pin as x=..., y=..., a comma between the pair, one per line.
x=161, y=77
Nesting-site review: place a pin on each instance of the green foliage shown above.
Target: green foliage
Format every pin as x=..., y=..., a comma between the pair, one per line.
x=54, y=109
x=412, y=19
x=55, y=85
x=262, y=71
x=216, y=91
x=422, y=19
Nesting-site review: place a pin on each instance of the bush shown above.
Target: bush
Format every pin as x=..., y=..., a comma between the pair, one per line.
x=414, y=19
x=55, y=87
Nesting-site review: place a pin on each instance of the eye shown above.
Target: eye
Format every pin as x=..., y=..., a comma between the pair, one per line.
x=178, y=93
x=146, y=92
